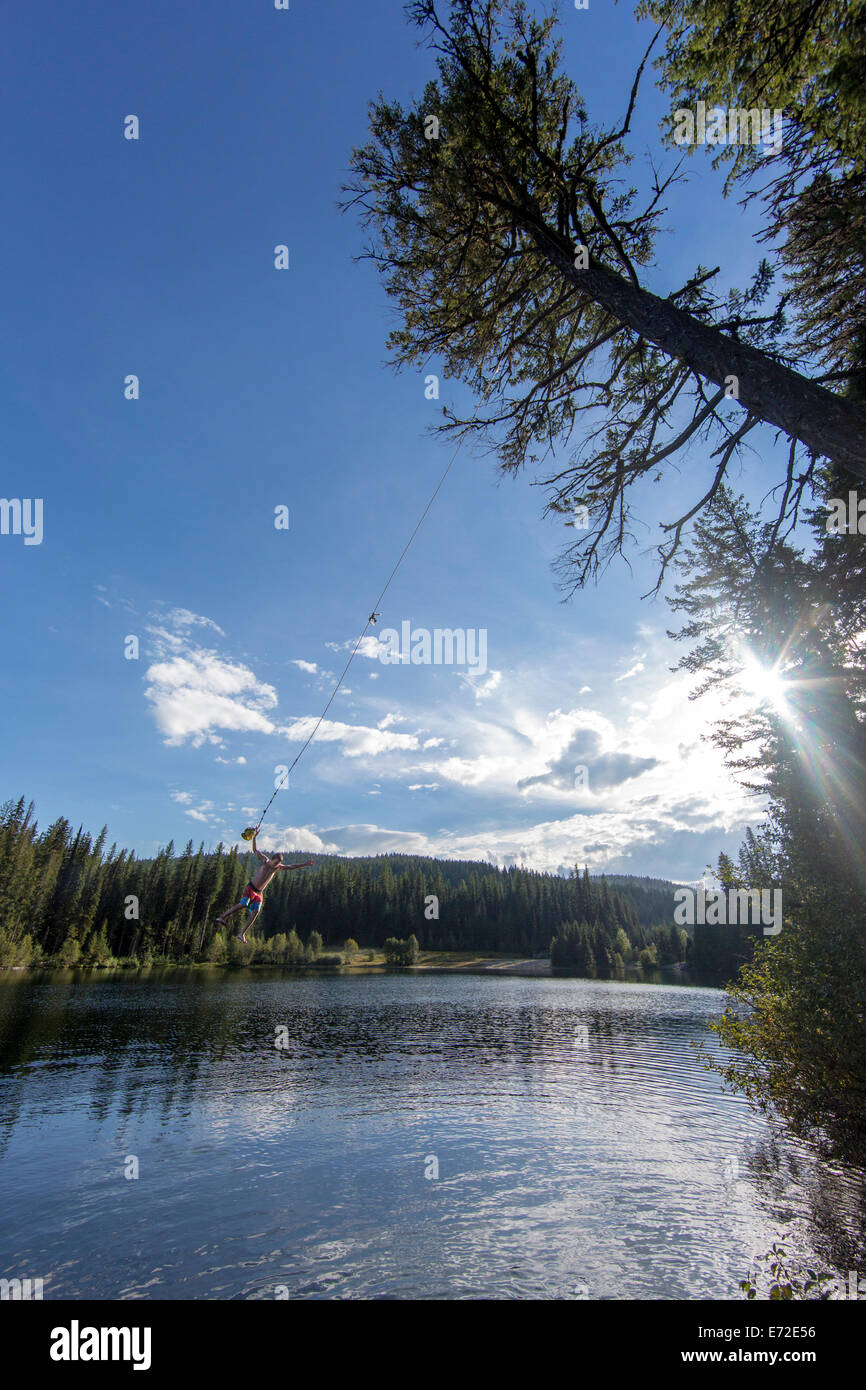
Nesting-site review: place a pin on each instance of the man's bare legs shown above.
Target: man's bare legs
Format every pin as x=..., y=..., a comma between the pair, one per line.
x=239, y=907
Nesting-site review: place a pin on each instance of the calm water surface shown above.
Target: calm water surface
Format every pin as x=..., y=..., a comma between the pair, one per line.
x=618, y=1169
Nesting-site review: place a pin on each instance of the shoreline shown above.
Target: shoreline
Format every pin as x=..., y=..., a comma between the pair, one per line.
x=429, y=962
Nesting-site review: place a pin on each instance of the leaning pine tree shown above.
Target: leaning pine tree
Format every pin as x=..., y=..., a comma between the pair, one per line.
x=502, y=228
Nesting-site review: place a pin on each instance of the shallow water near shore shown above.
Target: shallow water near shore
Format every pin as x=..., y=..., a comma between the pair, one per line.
x=414, y=1136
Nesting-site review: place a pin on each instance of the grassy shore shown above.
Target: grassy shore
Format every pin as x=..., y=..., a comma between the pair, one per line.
x=359, y=963
x=448, y=960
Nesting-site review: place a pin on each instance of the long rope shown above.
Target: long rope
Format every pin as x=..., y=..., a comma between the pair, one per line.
x=372, y=618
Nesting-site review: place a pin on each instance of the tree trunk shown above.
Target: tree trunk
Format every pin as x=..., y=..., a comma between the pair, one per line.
x=826, y=423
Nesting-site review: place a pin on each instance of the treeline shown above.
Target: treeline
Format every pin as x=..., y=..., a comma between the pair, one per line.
x=598, y=951
x=67, y=899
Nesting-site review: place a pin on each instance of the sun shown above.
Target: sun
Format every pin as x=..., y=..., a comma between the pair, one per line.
x=763, y=685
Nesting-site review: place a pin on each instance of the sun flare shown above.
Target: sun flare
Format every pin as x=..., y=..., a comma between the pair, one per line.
x=763, y=685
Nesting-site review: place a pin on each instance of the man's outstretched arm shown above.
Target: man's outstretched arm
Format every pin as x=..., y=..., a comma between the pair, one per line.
x=307, y=864
x=257, y=852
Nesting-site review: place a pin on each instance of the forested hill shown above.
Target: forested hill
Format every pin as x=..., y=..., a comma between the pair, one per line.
x=478, y=904
x=64, y=896
x=651, y=898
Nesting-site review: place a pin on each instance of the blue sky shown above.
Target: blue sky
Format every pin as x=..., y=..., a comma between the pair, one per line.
x=262, y=388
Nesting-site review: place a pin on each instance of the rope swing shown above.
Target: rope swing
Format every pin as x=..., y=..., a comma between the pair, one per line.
x=252, y=830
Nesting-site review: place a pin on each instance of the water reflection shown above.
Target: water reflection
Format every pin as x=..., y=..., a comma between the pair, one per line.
x=576, y=1136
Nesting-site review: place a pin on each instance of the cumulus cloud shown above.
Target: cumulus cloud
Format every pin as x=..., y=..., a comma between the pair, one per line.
x=599, y=840
x=605, y=767
x=390, y=719
x=195, y=694
x=199, y=695
x=488, y=759
x=302, y=839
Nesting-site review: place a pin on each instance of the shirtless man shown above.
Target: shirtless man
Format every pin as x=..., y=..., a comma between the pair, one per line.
x=252, y=898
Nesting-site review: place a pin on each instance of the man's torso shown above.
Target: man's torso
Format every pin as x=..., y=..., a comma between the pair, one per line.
x=263, y=877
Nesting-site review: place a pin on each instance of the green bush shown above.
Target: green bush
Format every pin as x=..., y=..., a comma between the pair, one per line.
x=401, y=953
x=70, y=952
x=217, y=951
x=97, y=950
x=241, y=953
x=22, y=952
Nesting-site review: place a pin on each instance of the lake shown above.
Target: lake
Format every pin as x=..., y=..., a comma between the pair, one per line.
x=414, y=1136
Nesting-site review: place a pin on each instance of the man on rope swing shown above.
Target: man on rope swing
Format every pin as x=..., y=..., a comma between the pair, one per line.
x=252, y=898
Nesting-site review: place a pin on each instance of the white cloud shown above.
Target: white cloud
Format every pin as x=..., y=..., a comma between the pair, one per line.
x=390, y=719
x=368, y=646
x=183, y=618
x=203, y=812
x=554, y=846
x=627, y=675
x=115, y=601
x=194, y=693
x=482, y=689
x=356, y=740
x=194, y=696
x=506, y=760
x=309, y=666
x=302, y=839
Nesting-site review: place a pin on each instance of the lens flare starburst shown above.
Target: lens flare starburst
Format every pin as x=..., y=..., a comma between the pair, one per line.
x=763, y=685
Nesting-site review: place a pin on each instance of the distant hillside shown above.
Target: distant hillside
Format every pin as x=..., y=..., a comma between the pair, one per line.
x=63, y=896
x=651, y=898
